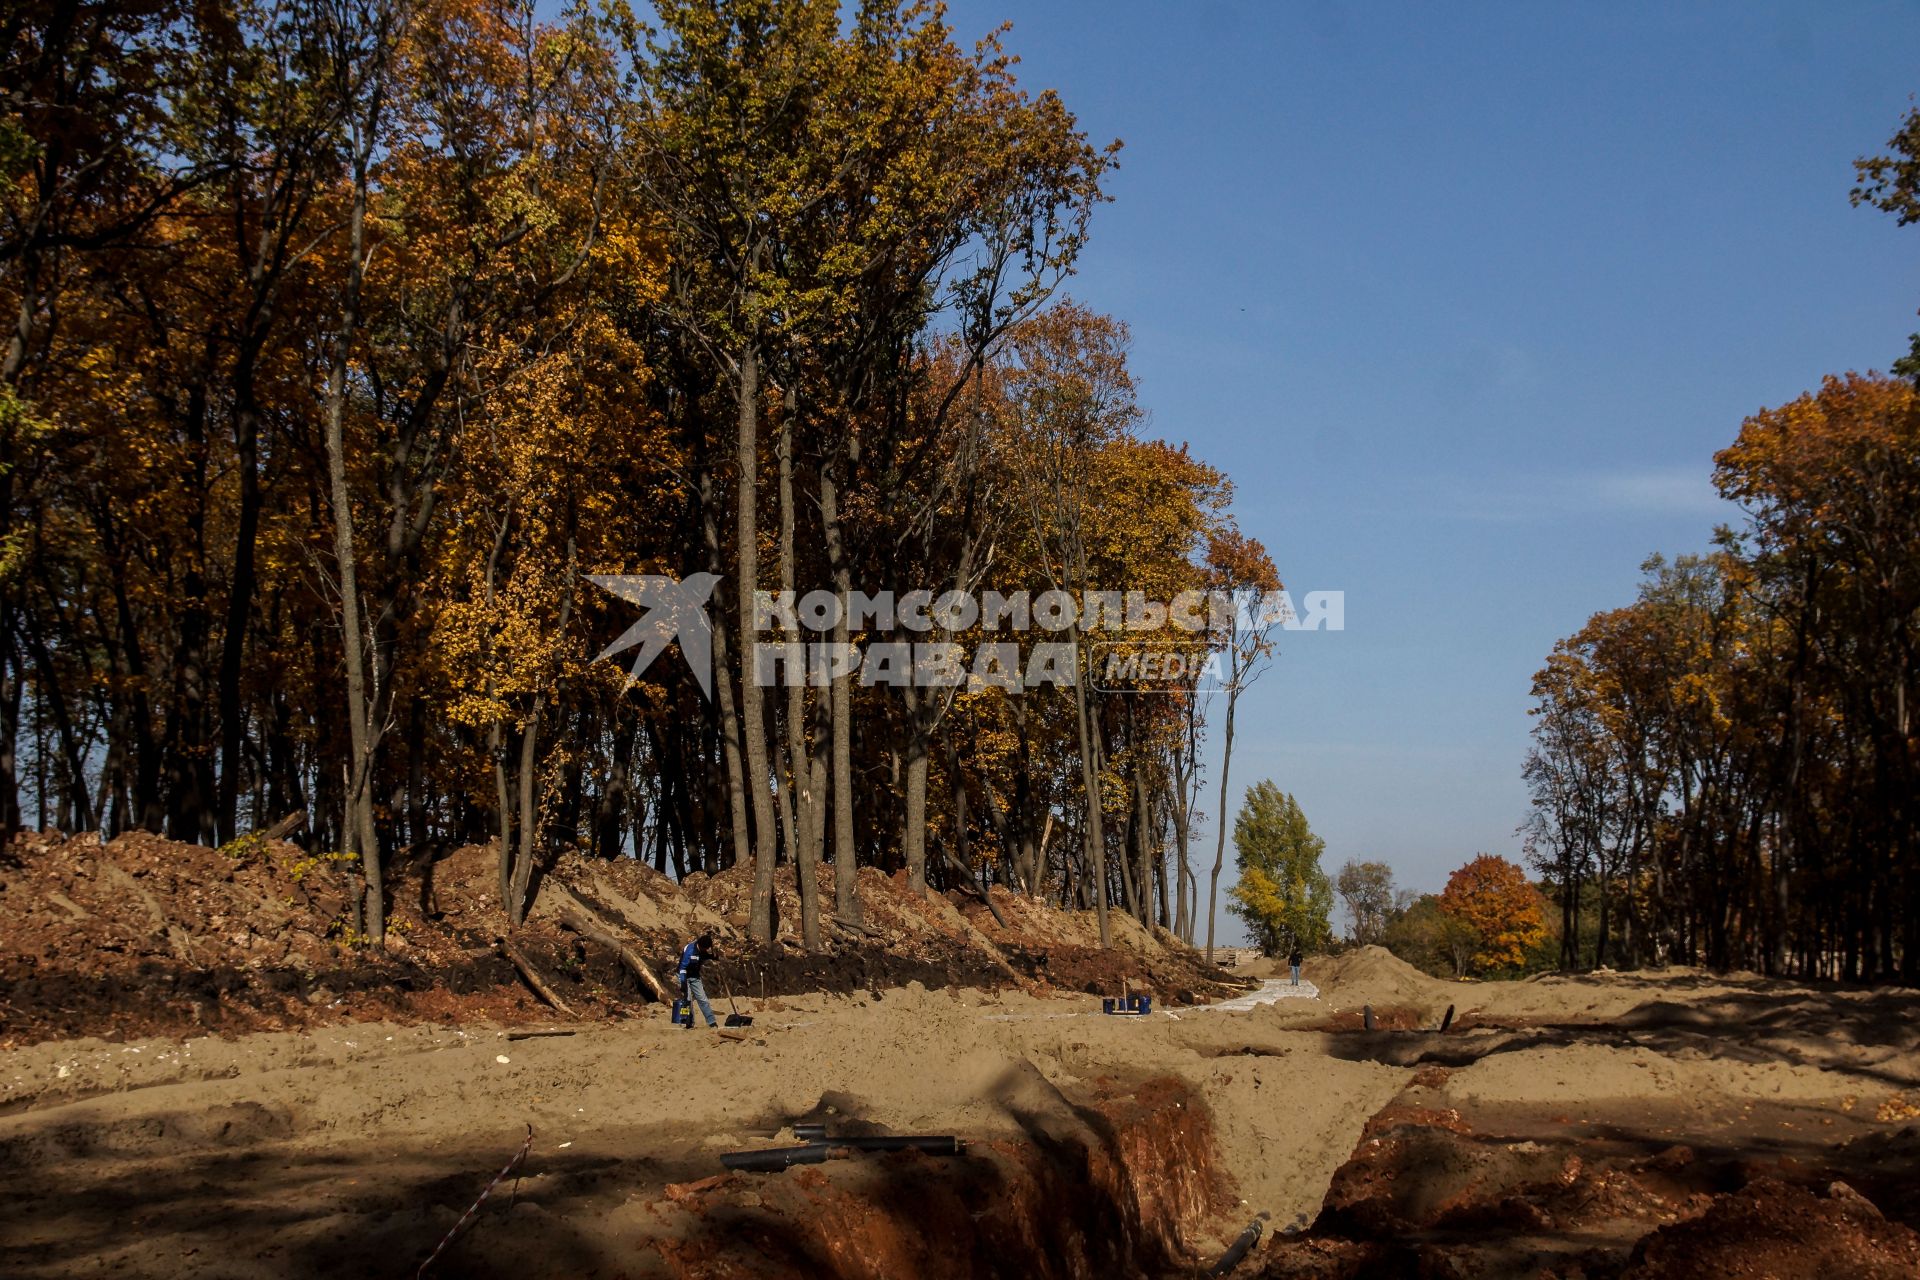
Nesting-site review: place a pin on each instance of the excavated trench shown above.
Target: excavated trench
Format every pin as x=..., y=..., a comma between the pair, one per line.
x=1120, y=1180
x=1111, y=1178
x=1127, y=1185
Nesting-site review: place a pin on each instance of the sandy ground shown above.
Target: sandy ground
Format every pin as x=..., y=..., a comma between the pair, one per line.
x=352, y=1150
x=665, y=1099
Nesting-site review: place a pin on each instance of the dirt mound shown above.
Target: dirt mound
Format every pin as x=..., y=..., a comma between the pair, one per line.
x=1375, y=976
x=887, y=910
x=1424, y=1194
x=1016, y=939
x=1772, y=1229
x=147, y=935
x=142, y=897
x=1886, y=1166
x=1421, y=1169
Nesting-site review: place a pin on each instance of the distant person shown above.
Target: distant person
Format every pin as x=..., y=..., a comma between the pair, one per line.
x=691, y=988
x=1293, y=963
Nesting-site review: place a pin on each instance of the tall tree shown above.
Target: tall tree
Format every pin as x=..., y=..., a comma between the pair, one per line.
x=1493, y=897
x=1367, y=890
x=1283, y=894
x=1242, y=572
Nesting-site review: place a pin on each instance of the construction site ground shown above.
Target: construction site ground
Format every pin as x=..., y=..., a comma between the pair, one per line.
x=203, y=1076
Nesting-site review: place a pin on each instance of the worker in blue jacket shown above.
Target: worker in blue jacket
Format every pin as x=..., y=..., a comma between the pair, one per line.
x=691, y=988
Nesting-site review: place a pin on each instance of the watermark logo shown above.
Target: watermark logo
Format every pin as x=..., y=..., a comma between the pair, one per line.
x=676, y=609
x=1115, y=667
x=1166, y=645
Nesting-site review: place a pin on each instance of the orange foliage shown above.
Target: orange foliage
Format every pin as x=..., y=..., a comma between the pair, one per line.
x=1495, y=898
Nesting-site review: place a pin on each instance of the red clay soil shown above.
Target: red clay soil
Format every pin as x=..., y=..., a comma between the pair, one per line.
x=1424, y=1195
x=1772, y=1229
x=1121, y=1196
x=1386, y=1018
x=147, y=936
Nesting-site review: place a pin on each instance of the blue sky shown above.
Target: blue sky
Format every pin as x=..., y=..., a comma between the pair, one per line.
x=1465, y=298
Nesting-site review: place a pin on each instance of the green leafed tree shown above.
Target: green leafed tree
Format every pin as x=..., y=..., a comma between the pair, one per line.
x=1283, y=896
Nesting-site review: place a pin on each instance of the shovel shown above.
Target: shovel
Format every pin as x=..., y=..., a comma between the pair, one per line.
x=736, y=1018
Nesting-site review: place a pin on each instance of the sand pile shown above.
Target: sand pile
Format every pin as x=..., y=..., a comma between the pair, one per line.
x=1375, y=976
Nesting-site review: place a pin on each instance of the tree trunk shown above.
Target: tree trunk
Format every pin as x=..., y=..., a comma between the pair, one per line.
x=496, y=738
x=417, y=775
x=722, y=683
x=804, y=798
x=815, y=837
x=1220, y=820
x=1160, y=879
x=846, y=872
x=610, y=805
x=1143, y=848
x=233, y=639
x=1129, y=877
x=1182, y=916
x=753, y=721
x=528, y=819
x=359, y=798
x=913, y=835
x=1096, y=842
x=12, y=682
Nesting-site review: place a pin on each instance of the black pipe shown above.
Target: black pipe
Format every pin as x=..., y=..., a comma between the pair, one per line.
x=774, y=1159
x=945, y=1145
x=1237, y=1254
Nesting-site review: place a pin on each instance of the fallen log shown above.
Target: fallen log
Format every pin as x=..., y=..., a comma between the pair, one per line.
x=532, y=977
x=855, y=926
x=966, y=874
x=286, y=826
x=582, y=919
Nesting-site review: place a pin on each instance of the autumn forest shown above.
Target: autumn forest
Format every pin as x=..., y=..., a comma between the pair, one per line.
x=1727, y=768
x=348, y=340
